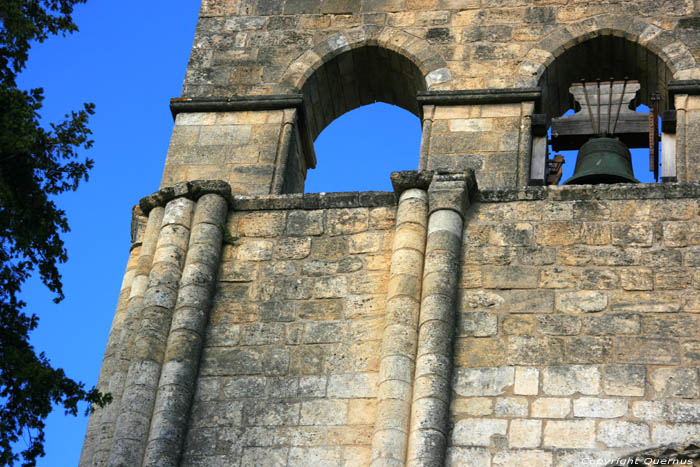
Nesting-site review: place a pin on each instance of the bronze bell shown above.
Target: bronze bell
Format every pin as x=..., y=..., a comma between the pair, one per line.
x=603, y=160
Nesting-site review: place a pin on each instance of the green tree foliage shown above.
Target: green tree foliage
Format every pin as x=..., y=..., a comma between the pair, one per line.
x=36, y=164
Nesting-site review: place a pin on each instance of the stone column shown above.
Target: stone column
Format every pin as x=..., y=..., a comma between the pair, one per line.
x=121, y=337
x=448, y=199
x=428, y=113
x=149, y=344
x=400, y=328
x=681, y=105
x=179, y=372
x=289, y=118
x=525, y=143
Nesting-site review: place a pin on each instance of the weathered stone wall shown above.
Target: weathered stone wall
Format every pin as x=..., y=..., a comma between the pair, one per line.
x=484, y=138
x=537, y=326
x=578, y=329
x=291, y=358
x=253, y=47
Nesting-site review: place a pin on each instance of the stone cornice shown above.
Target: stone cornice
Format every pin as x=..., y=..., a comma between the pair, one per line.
x=479, y=96
x=234, y=103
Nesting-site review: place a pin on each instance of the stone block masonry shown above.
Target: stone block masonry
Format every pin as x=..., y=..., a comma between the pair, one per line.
x=530, y=342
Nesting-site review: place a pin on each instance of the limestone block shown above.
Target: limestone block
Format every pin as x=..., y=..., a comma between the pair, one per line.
x=365, y=242
x=566, y=380
x=478, y=431
x=362, y=411
x=600, y=279
x=551, y=407
x=318, y=456
x=612, y=324
x=479, y=352
x=262, y=224
x=569, y=434
x=477, y=324
x=330, y=287
x=528, y=301
x=301, y=223
x=667, y=433
x=271, y=413
x=457, y=456
x=624, y=380
x=632, y=235
x=528, y=350
x=526, y=381
x=647, y=350
x=559, y=325
x=482, y=381
x=312, y=386
x=594, y=407
x=324, y=412
x=650, y=302
x=262, y=333
x=691, y=351
x=293, y=248
x=347, y=221
x=588, y=350
x=362, y=385
x=650, y=411
x=531, y=458
x=509, y=277
x=559, y=278
x=254, y=250
x=617, y=434
x=323, y=333
x=524, y=433
x=363, y=306
x=473, y=406
x=595, y=233
x=558, y=233
x=682, y=411
x=676, y=382
x=511, y=407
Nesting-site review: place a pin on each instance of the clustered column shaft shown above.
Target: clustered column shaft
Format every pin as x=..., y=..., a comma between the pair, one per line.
x=400, y=331
x=149, y=344
x=179, y=372
x=431, y=389
x=123, y=335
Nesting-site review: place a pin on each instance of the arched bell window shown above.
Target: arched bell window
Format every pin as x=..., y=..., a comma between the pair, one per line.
x=361, y=77
x=593, y=100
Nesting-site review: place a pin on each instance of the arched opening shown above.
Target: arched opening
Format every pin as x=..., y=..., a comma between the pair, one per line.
x=608, y=59
x=360, y=149
x=355, y=78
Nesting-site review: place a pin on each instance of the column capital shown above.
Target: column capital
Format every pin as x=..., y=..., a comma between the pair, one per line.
x=453, y=191
x=407, y=179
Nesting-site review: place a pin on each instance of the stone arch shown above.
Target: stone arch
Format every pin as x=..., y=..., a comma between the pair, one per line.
x=352, y=69
x=420, y=52
x=663, y=43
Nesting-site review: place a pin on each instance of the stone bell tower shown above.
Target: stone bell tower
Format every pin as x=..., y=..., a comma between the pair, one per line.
x=477, y=315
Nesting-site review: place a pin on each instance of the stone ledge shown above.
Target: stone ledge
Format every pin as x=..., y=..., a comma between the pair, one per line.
x=480, y=96
x=689, y=86
x=592, y=192
x=353, y=199
x=411, y=179
x=230, y=104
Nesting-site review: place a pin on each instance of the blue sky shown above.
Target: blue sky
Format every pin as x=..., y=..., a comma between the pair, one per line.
x=129, y=58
